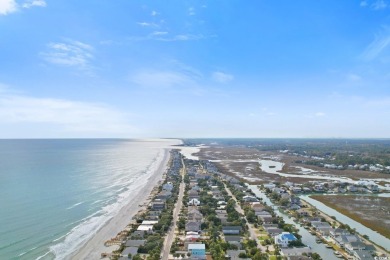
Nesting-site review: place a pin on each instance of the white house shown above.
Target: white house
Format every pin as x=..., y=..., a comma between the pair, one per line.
x=194, y=202
x=283, y=239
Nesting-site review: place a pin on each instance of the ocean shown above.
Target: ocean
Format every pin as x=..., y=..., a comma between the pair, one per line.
x=55, y=194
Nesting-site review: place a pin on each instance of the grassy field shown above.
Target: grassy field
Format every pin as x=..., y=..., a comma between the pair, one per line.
x=372, y=212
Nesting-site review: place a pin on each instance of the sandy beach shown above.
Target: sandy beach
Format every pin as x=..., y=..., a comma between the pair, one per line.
x=95, y=246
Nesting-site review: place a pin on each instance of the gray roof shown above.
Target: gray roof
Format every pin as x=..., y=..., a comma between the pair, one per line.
x=135, y=243
x=232, y=238
x=320, y=224
x=130, y=250
x=234, y=254
x=231, y=228
x=295, y=251
x=364, y=255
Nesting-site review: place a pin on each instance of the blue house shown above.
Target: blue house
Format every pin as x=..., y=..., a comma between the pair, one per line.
x=197, y=251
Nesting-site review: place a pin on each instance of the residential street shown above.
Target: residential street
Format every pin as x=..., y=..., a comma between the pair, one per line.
x=171, y=233
x=251, y=228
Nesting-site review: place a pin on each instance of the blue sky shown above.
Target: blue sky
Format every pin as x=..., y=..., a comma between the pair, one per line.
x=194, y=68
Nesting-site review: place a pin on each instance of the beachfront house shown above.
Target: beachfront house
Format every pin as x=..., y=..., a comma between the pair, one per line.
x=168, y=186
x=197, y=251
x=130, y=250
x=158, y=205
x=135, y=243
x=163, y=195
x=145, y=228
x=284, y=239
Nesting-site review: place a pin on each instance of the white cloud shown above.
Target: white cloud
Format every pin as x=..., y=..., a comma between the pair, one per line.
x=379, y=5
x=69, y=53
x=146, y=24
x=10, y=6
x=380, y=43
x=222, y=77
x=378, y=102
x=154, y=13
x=182, y=37
x=353, y=77
x=161, y=79
x=65, y=116
x=363, y=3
x=157, y=33
x=320, y=114
x=7, y=7
x=163, y=36
x=191, y=11
x=32, y=3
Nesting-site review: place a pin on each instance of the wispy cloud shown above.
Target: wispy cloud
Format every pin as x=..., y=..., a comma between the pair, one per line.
x=158, y=33
x=191, y=11
x=380, y=43
x=222, y=77
x=69, y=53
x=165, y=36
x=7, y=7
x=178, y=37
x=375, y=5
x=379, y=5
x=33, y=3
x=10, y=6
x=162, y=79
x=64, y=115
x=353, y=77
x=147, y=24
x=319, y=114
x=154, y=13
x=315, y=115
x=383, y=102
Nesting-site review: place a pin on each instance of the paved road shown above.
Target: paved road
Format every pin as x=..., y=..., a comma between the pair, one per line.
x=171, y=232
x=251, y=227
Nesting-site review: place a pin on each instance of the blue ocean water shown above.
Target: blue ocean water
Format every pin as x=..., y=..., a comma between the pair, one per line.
x=53, y=193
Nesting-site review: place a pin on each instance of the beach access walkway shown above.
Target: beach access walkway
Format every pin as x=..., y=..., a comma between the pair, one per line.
x=171, y=232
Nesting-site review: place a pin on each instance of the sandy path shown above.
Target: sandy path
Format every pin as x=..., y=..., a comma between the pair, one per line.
x=95, y=246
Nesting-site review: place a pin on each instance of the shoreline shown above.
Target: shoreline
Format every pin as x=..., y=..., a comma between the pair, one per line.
x=93, y=248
